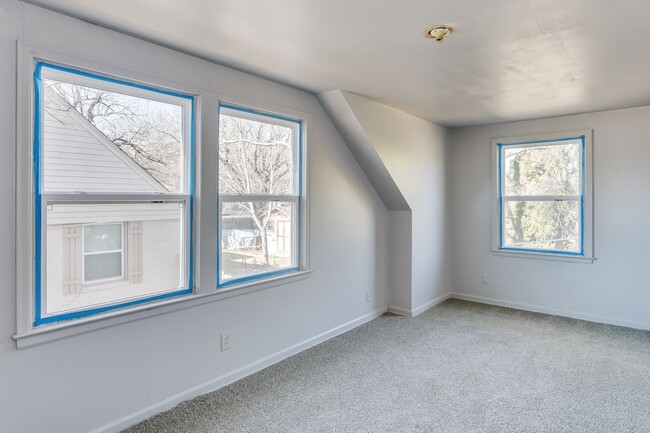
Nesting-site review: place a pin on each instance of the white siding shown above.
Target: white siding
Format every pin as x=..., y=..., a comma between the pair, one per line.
x=106, y=213
x=77, y=156
x=156, y=257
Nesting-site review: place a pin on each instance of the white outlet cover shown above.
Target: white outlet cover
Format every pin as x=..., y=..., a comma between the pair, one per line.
x=225, y=342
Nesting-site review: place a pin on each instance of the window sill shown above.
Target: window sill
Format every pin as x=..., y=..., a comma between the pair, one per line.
x=58, y=331
x=544, y=256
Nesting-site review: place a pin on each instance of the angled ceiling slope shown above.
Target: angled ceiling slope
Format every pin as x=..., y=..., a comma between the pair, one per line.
x=363, y=150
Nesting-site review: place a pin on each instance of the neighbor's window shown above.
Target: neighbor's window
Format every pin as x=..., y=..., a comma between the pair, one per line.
x=103, y=258
x=112, y=193
x=259, y=184
x=541, y=196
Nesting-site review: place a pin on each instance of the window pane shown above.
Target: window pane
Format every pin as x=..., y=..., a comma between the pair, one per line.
x=106, y=237
x=542, y=170
x=102, y=266
x=542, y=225
x=255, y=157
x=96, y=140
x=152, y=256
x=256, y=238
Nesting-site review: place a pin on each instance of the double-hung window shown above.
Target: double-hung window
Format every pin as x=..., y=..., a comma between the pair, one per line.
x=543, y=195
x=106, y=227
x=112, y=193
x=259, y=184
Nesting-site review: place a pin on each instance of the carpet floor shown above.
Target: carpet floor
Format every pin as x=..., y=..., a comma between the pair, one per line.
x=458, y=367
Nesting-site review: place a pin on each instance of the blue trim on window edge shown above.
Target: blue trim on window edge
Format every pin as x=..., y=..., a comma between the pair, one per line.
x=548, y=252
x=221, y=284
x=38, y=90
x=581, y=253
x=110, y=80
x=38, y=86
x=93, y=311
x=500, y=148
x=259, y=276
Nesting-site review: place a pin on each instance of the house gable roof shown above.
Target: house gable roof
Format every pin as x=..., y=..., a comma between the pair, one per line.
x=78, y=156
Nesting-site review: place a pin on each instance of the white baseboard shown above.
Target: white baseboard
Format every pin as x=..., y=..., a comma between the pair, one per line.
x=233, y=376
x=553, y=311
x=421, y=309
x=399, y=311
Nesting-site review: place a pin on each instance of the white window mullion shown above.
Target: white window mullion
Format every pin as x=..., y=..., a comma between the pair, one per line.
x=67, y=198
x=541, y=198
x=256, y=198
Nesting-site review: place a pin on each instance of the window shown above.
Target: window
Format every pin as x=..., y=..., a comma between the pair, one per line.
x=543, y=199
x=103, y=258
x=113, y=193
x=105, y=222
x=259, y=184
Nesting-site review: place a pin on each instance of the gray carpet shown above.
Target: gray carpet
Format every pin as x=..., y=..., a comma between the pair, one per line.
x=459, y=367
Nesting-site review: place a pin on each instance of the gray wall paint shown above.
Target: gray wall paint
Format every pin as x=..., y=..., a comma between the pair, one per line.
x=614, y=288
x=338, y=109
x=415, y=153
x=91, y=380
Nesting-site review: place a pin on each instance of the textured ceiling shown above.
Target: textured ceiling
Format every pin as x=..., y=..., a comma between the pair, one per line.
x=507, y=59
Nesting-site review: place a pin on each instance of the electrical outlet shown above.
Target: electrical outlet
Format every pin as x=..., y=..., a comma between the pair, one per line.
x=484, y=280
x=367, y=296
x=225, y=342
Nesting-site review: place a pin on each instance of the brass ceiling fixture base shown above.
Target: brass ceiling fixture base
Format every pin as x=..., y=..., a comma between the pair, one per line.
x=438, y=33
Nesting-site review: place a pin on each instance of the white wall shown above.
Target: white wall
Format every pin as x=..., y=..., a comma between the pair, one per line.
x=97, y=379
x=415, y=152
x=615, y=288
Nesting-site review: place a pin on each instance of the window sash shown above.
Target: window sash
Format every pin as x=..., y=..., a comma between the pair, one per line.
x=541, y=198
x=267, y=118
x=229, y=198
x=581, y=223
x=97, y=80
x=504, y=199
x=43, y=199
x=103, y=198
x=295, y=197
x=99, y=198
x=295, y=236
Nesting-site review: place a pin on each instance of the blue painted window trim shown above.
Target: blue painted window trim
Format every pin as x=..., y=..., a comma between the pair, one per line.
x=279, y=272
x=581, y=253
x=37, y=146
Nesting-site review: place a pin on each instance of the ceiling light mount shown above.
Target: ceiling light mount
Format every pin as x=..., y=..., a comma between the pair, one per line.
x=438, y=33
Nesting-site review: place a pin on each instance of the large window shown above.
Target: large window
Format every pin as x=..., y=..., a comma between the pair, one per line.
x=259, y=182
x=105, y=194
x=542, y=199
x=113, y=193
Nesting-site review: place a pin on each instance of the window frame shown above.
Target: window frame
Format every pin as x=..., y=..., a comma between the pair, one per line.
x=44, y=199
x=207, y=97
x=122, y=249
x=584, y=198
x=297, y=126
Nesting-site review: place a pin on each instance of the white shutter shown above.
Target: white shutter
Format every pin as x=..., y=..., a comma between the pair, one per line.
x=72, y=273
x=134, y=251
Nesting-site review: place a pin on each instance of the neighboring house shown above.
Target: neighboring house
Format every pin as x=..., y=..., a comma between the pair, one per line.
x=280, y=234
x=240, y=232
x=99, y=253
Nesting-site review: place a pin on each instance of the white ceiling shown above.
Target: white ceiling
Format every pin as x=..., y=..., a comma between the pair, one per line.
x=507, y=59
